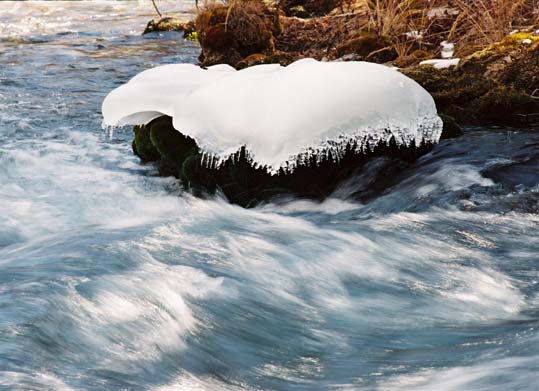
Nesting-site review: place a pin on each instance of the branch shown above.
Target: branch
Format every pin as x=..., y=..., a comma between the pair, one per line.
x=156, y=9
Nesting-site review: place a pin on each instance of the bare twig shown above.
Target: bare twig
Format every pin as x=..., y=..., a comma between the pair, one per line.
x=156, y=9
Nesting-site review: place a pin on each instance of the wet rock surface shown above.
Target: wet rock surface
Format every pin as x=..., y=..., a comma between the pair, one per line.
x=244, y=184
x=170, y=24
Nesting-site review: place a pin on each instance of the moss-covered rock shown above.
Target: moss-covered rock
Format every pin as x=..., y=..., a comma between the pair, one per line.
x=143, y=146
x=452, y=89
x=504, y=106
x=492, y=86
x=158, y=141
x=170, y=24
x=246, y=185
x=522, y=72
x=451, y=129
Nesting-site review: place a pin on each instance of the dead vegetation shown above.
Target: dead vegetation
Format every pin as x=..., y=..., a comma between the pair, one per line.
x=231, y=31
x=480, y=23
x=499, y=78
x=402, y=31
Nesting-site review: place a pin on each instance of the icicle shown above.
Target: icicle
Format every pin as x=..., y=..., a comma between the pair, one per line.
x=304, y=113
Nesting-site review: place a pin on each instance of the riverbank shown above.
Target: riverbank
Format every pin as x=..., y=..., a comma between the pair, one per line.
x=493, y=80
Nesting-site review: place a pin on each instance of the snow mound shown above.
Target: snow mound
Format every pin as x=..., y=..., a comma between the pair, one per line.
x=280, y=114
x=441, y=63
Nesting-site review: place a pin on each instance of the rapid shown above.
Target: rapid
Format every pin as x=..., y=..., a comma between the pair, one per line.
x=114, y=278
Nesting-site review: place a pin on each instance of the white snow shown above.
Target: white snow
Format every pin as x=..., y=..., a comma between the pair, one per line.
x=280, y=113
x=441, y=63
x=448, y=49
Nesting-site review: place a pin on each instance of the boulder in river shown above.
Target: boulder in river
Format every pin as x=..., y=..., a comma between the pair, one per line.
x=242, y=183
x=269, y=130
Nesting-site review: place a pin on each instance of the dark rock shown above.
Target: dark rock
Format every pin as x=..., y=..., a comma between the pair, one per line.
x=246, y=185
x=504, y=106
x=451, y=129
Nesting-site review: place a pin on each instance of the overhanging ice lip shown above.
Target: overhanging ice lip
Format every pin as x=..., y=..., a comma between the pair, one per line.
x=280, y=113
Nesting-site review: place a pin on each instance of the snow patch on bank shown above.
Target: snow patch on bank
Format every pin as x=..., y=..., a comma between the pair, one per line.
x=441, y=63
x=280, y=114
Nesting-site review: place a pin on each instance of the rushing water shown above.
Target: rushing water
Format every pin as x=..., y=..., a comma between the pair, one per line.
x=112, y=278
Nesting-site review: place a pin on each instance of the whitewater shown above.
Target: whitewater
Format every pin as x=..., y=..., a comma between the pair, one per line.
x=112, y=278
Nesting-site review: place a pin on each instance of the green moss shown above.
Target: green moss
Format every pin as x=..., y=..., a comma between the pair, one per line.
x=506, y=46
x=513, y=41
x=172, y=146
x=143, y=146
x=192, y=36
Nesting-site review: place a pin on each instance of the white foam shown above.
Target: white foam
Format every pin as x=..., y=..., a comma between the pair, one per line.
x=517, y=370
x=147, y=310
x=189, y=382
x=13, y=380
x=280, y=113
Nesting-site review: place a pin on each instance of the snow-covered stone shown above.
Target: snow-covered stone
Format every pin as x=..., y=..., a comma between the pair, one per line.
x=279, y=113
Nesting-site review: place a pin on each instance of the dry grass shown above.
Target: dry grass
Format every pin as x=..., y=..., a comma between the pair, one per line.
x=247, y=26
x=483, y=22
x=405, y=22
x=471, y=24
x=408, y=25
x=156, y=9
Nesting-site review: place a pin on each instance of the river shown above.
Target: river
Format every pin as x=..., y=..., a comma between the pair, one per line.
x=112, y=278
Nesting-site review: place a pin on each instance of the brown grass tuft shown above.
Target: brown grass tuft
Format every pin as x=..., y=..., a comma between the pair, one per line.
x=406, y=23
x=483, y=22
